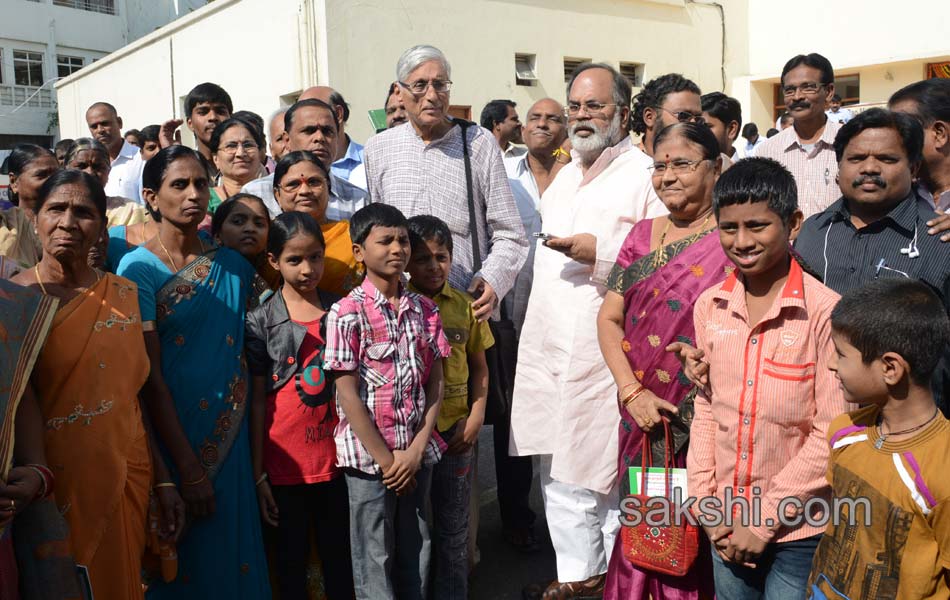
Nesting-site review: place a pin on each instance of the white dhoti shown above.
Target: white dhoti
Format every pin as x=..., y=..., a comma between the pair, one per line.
x=583, y=525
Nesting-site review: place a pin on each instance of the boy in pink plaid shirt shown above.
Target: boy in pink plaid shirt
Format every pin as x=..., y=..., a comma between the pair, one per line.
x=383, y=347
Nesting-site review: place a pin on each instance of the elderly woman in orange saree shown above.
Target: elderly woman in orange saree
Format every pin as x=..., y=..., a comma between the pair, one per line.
x=87, y=380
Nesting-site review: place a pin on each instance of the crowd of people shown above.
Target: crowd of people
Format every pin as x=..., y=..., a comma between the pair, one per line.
x=259, y=368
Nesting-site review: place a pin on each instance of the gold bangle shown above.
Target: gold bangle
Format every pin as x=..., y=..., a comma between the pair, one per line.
x=627, y=397
x=632, y=383
x=636, y=394
x=164, y=484
x=261, y=479
x=201, y=479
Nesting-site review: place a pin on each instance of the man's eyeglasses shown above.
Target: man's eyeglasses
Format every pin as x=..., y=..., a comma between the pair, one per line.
x=593, y=108
x=678, y=166
x=419, y=88
x=684, y=116
x=232, y=147
x=809, y=88
x=293, y=185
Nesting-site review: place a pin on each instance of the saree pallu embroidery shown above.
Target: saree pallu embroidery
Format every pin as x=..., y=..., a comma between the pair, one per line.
x=87, y=381
x=200, y=320
x=659, y=289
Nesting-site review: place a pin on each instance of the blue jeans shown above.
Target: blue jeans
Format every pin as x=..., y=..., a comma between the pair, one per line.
x=451, y=496
x=389, y=537
x=781, y=573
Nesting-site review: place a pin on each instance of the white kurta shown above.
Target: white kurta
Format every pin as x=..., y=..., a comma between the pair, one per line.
x=564, y=400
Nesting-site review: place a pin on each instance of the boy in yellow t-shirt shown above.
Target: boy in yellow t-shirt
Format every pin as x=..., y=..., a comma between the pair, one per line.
x=466, y=377
x=889, y=535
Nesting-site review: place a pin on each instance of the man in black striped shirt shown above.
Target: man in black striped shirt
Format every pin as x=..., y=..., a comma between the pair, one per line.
x=879, y=227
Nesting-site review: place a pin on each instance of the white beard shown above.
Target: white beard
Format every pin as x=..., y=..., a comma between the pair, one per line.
x=591, y=147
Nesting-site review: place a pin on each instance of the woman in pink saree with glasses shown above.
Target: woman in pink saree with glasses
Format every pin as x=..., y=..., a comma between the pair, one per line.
x=662, y=268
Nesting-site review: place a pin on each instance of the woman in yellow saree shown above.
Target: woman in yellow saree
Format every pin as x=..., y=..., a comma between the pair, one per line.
x=87, y=380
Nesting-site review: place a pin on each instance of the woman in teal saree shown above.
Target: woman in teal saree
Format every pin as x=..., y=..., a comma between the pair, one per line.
x=195, y=298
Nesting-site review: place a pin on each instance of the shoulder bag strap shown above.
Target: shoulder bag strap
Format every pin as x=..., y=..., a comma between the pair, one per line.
x=472, y=223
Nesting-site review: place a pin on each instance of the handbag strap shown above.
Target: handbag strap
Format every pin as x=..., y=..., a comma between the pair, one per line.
x=472, y=223
x=646, y=458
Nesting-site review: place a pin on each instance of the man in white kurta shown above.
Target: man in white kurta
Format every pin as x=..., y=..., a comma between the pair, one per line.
x=564, y=407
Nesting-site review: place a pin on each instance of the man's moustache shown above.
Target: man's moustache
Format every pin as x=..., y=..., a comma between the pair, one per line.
x=875, y=179
x=800, y=104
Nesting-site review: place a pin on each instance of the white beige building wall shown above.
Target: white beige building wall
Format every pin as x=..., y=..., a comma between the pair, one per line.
x=887, y=43
x=265, y=51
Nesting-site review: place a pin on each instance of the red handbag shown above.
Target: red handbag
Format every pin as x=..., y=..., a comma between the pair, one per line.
x=667, y=549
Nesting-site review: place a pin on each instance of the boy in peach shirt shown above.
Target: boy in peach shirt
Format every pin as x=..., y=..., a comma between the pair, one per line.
x=759, y=429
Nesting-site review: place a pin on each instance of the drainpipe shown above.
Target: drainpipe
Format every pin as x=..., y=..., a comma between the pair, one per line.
x=306, y=44
x=53, y=72
x=722, y=21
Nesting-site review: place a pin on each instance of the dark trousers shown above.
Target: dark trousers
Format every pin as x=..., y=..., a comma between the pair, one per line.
x=513, y=475
x=324, y=509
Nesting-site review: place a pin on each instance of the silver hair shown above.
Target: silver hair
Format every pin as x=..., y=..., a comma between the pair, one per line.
x=277, y=113
x=417, y=55
x=85, y=143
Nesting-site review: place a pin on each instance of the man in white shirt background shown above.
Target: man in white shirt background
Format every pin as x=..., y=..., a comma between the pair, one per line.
x=723, y=115
x=750, y=132
x=928, y=101
x=125, y=178
x=501, y=119
x=838, y=114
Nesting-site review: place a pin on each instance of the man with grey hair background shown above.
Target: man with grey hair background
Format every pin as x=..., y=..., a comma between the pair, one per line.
x=435, y=165
x=565, y=401
x=419, y=167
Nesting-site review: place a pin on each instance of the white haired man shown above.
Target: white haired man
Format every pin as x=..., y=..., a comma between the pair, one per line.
x=564, y=404
x=435, y=165
x=418, y=167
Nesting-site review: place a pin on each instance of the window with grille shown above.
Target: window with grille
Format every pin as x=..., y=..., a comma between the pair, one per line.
x=67, y=65
x=27, y=68
x=100, y=6
x=632, y=72
x=570, y=64
x=525, y=73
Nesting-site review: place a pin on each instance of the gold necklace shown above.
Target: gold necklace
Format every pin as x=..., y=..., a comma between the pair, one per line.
x=165, y=250
x=659, y=256
x=669, y=221
x=170, y=259
x=36, y=270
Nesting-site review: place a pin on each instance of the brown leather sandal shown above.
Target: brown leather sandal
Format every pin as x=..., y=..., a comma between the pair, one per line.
x=589, y=589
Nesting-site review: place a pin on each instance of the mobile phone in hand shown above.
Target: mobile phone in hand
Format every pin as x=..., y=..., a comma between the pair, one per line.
x=543, y=236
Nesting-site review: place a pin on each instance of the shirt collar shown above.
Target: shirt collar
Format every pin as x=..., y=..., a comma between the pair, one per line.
x=789, y=137
x=354, y=153
x=128, y=151
x=442, y=293
x=603, y=161
x=376, y=297
x=732, y=289
x=521, y=165
x=903, y=215
x=940, y=203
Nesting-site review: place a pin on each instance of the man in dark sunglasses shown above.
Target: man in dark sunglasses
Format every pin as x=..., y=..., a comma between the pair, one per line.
x=663, y=101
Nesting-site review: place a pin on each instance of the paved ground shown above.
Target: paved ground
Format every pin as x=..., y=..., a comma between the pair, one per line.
x=503, y=571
